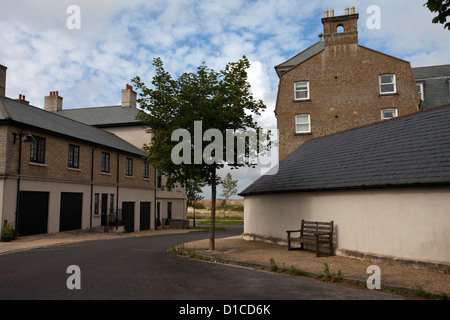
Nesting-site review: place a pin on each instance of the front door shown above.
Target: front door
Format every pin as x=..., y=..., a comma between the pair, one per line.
x=104, y=210
x=128, y=216
x=145, y=216
x=70, y=211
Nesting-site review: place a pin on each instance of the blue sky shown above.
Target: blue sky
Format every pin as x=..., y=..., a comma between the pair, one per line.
x=118, y=40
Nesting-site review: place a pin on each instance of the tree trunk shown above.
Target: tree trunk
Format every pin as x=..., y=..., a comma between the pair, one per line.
x=213, y=212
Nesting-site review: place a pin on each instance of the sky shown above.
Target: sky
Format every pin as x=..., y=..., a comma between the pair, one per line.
x=89, y=60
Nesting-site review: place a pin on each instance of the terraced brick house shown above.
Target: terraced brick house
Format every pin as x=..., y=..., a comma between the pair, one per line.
x=59, y=174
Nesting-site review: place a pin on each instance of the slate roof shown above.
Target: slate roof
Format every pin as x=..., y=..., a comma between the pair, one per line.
x=103, y=116
x=411, y=150
x=14, y=111
x=436, y=84
x=301, y=57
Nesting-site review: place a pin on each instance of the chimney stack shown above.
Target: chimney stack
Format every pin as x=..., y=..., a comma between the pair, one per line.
x=129, y=97
x=22, y=99
x=53, y=102
x=2, y=81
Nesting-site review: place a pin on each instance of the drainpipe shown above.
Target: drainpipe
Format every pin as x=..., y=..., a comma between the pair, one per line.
x=18, y=181
x=117, y=188
x=92, y=185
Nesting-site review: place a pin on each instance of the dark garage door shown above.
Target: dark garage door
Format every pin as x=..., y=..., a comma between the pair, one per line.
x=33, y=213
x=128, y=216
x=71, y=210
x=145, y=216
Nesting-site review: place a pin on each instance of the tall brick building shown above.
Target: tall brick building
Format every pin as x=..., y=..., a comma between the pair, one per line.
x=337, y=84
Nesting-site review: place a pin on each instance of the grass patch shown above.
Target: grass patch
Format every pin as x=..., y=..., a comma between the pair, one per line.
x=224, y=222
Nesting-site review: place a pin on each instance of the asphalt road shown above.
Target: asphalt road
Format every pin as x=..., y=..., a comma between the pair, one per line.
x=141, y=269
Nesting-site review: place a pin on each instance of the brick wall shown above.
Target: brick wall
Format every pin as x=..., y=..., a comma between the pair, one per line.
x=344, y=92
x=56, y=161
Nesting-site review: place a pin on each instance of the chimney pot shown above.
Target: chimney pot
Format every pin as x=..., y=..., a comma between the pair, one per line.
x=20, y=97
x=326, y=13
x=353, y=10
x=346, y=11
x=332, y=13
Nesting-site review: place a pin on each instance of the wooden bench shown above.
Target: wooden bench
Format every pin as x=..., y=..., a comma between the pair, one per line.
x=313, y=232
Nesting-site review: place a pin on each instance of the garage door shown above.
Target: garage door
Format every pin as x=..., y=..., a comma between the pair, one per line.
x=71, y=211
x=33, y=213
x=145, y=216
x=128, y=216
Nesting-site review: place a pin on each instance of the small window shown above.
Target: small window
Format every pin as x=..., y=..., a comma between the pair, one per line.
x=169, y=210
x=301, y=90
x=303, y=123
x=111, y=203
x=387, y=84
x=340, y=29
x=420, y=90
x=158, y=179
x=129, y=167
x=74, y=156
x=389, y=114
x=146, y=171
x=96, y=203
x=37, y=150
x=105, y=162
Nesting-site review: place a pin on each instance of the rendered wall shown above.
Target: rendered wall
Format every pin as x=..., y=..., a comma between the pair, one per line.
x=401, y=223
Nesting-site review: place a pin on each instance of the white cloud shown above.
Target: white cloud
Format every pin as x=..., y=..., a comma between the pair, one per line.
x=119, y=39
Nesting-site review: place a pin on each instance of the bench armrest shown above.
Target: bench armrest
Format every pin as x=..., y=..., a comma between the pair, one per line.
x=292, y=231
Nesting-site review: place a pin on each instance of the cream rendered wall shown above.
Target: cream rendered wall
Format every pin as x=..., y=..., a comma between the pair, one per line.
x=137, y=196
x=135, y=135
x=54, y=206
x=410, y=223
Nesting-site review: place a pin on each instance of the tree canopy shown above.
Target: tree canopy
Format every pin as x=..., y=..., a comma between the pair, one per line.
x=442, y=7
x=197, y=108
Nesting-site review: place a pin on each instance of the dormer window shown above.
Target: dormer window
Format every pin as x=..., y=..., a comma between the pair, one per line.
x=301, y=91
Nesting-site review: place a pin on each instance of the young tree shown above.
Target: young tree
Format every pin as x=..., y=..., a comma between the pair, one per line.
x=193, y=193
x=442, y=7
x=229, y=187
x=219, y=101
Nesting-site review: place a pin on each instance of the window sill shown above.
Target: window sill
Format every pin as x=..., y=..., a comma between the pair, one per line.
x=130, y=177
x=303, y=134
x=146, y=179
x=304, y=100
x=74, y=169
x=388, y=94
x=105, y=173
x=37, y=164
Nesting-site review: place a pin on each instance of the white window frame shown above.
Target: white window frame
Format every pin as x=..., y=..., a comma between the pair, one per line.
x=388, y=84
x=421, y=90
x=302, y=123
x=307, y=91
x=395, y=110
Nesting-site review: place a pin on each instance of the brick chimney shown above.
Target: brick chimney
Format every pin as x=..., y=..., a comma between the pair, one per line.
x=129, y=97
x=53, y=102
x=341, y=30
x=22, y=99
x=2, y=81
